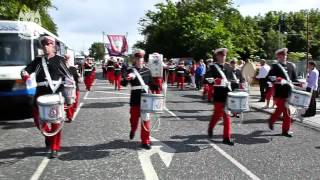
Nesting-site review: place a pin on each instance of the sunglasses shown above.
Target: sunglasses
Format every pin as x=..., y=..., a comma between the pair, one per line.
x=45, y=43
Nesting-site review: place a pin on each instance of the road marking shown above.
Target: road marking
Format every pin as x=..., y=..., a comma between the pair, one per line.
x=44, y=163
x=165, y=152
x=226, y=155
x=170, y=112
x=108, y=98
x=108, y=87
x=235, y=162
x=36, y=175
x=85, y=96
x=112, y=92
x=77, y=111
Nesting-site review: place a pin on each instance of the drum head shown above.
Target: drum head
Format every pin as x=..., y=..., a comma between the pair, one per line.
x=301, y=92
x=49, y=99
x=238, y=94
x=248, y=72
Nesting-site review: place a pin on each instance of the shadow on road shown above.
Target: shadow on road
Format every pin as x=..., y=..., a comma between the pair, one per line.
x=16, y=125
x=105, y=105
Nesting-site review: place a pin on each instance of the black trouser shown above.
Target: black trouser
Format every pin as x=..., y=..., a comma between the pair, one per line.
x=311, y=111
x=263, y=87
x=199, y=81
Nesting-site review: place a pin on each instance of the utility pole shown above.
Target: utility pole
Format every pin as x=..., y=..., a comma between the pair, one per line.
x=307, y=42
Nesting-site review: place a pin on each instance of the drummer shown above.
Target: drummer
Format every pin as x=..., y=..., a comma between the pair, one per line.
x=208, y=83
x=181, y=73
x=135, y=74
x=219, y=70
x=76, y=76
x=58, y=71
x=88, y=73
x=282, y=74
x=237, y=82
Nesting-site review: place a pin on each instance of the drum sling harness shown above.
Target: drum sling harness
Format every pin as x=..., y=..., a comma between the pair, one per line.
x=46, y=72
x=223, y=76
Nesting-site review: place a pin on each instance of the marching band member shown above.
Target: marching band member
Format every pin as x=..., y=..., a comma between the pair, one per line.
x=139, y=77
x=208, y=84
x=88, y=70
x=181, y=72
x=117, y=76
x=110, y=71
x=222, y=73
x=76, y=76
x=172, y=72
x=156, y=86
x=237, y=80
x=282, y=74
x=57, y=70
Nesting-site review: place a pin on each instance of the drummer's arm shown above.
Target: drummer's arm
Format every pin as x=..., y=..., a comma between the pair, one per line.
x=25, y=73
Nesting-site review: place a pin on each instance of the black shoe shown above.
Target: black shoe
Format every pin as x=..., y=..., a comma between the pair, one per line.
x=271, y=127
x=131, y=135
x=54, y=154
x=228, y=142
x=286, y=134
x=238, y=116
x=146, y=146
x=210, y=133
x=307, y=115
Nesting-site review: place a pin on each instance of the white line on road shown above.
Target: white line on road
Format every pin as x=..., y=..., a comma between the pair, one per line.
x=112, y=92
x=36, y=175
x=226, y=155
x=85, y=96
x=165, y=152
x=108, y=98
x=170, y=112
x=235, y=162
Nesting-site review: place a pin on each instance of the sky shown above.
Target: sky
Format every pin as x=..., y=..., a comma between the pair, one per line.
x=81, y=22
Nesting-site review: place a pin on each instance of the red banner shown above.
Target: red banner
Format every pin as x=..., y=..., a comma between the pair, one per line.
x=118, y=44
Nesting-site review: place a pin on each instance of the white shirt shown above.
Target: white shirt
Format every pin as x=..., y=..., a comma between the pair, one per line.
x=312, y=79
x=263, y=71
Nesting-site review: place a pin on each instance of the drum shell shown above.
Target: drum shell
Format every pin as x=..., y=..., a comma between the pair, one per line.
x=152, y=103
x=237, y=103
x=69, y=92
x=300, y=98
x=51, y=112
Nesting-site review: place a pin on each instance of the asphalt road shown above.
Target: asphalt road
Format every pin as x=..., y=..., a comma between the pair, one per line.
x=97, y=146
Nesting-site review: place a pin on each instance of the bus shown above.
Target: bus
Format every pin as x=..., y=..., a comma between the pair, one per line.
x=19, y=45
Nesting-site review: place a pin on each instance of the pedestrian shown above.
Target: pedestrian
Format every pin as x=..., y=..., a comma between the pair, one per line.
x=139, y=77
x=199, y=74
x=50, y=71
x=312, y=86
x=282, y=74
x=181, y=73
x=70, y=110
x=222, y=73
x=262, y=77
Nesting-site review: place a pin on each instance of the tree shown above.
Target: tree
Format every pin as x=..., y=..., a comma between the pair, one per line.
x=97, y=51
x=9, y=10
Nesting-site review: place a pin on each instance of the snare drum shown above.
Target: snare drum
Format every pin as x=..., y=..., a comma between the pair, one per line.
x=238, y=102
x=51, y=108
x=69, y=93
x=152, y=103
x=300, y=98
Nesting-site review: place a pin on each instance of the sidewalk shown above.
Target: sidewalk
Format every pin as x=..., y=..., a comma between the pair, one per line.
x=309, y=121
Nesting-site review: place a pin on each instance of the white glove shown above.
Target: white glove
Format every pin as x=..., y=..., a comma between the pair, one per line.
x=283, y=82
x=131, y=76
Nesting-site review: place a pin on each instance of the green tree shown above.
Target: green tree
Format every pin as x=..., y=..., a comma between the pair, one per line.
x=97, y=51
x=9, y=10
